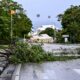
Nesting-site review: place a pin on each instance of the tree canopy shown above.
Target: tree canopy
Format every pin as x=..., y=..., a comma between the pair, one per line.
x=20, y=22
x=70, y=21
x=48, y=31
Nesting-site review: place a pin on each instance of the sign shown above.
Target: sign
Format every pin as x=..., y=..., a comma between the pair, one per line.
x=12, y=12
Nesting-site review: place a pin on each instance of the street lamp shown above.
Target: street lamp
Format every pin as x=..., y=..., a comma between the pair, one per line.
x=12, y=12
x=11, y=33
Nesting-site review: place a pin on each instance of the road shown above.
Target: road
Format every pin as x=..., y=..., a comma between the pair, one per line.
x=58, y=47
x=69, y=70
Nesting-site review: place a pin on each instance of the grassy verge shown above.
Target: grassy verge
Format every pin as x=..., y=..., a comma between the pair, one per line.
x=4, y=46
x=60, y=58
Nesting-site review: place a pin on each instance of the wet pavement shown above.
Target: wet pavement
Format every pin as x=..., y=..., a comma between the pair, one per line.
x=60, y=47
x=7, y=73
x=68, y=70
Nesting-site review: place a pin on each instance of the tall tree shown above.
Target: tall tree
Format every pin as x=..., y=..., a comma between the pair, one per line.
x=21, y=23
x=70, y=21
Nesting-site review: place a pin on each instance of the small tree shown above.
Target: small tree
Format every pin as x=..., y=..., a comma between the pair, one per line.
x=48, y=31
x=59, y=38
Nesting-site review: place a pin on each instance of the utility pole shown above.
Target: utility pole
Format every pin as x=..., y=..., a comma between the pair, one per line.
x=11, y=33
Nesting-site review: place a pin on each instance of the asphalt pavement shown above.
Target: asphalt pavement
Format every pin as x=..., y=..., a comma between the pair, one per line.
x=66, y=70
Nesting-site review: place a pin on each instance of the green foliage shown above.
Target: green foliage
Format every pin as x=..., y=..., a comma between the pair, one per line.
x=65, y=58
x=70, y=21
x=59, y=38
x=21, y=23
x=48, y=31
x=36, y=54
x=24, y=52
x=20, y=53
x=4, y=46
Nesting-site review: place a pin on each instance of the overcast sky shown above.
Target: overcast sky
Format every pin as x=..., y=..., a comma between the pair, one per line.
x=46, y=8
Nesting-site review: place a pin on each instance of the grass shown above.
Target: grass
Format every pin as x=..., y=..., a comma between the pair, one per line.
x=4, y=46
x=50, y=57
x=64, y=58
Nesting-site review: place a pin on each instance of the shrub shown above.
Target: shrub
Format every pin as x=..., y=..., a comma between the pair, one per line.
x=20, y=53
x=36, y=53
x=25, y=53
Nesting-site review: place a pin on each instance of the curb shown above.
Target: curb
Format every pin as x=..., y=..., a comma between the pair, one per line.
x=16, y=73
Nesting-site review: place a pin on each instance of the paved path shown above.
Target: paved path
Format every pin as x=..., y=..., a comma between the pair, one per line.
x=58, y=47
x=69, y=70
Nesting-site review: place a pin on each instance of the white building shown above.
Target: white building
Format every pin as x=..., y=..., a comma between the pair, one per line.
x=43, y=37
